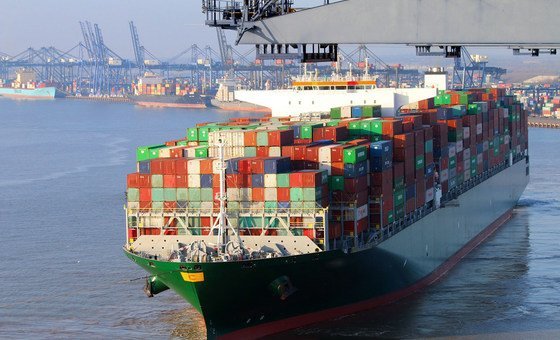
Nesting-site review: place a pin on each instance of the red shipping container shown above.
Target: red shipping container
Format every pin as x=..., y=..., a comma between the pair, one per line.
x=337, y=169
x=311, y=179
x=280, y=137
x=404, y=140
x=206, y=166
x=407, y=127
x=257, y=165
x=353, y=185
x=403, y=154
x=337, y=153
x=382, y=178
x=429, y=117
x=169, y=181
x=318, y=134
x=144, y=181
x=234, y=181
x=145, y=194
x=299, y=152
x=181, y=181
x=250, y=138
x=312, y=153
x=420, y=193
x=156, y=166
x=168, y=166
x=146, y=205
x=283, y=194
x=258, y=195
x=299, y=141
x=176, y=152
x=428, y=133
x=415, y=119
x=428, y=158
x=181, y=166
x=426, y=104
x=391, y=127
x=262, y=151
x=419, y=142
x=410, y=205
x=169, y=206
x=336, y=133
x=398, y=170
x=335, y=230
x=296, y=179
x=132, y=180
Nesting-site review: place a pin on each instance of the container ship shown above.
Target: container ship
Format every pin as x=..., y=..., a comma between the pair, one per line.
x=26, y=87
x=152, y=90
x=273, y=223
x=30, y=93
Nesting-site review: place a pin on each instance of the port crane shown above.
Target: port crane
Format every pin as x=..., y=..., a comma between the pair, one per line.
x=435, y=27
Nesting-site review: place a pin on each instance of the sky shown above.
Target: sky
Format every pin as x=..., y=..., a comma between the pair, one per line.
x=166, y=28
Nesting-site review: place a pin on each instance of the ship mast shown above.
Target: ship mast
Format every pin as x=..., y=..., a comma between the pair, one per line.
x=222, y=223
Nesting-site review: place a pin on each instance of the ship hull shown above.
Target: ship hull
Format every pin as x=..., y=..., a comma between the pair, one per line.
x=239, y=106
x=183, y=102
x=251, y=299
x=38, y=93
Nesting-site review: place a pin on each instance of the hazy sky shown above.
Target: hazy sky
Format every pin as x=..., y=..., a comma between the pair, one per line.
x=166, y=28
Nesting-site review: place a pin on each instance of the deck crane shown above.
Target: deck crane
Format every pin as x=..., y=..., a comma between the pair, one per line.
x=435, y=27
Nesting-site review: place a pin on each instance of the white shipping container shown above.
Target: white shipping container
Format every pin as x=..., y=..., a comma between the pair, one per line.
x=452, y=149
x=191, y=152
x=506, y=113
x=245, y=194
x=479, y=158
x=506, y=139
x=133, y=205
x=233, y=194
x=361, y=212
x=479, y=129
x=164, y=153
x=467, y=153
x=193, y=181
x=270, y=181
x=346, y=112
x=270, y=194
x=467, y=164
x=194, y=166
x=459, y=146
x=229, y=137
x=275, y=151
x=257, y=206
x=429, y=195
x=206, y=207
x=326, y=166
x=467, y=175
x=466, y=132
x=325, y=153
x=444, y=176
x=244, y=205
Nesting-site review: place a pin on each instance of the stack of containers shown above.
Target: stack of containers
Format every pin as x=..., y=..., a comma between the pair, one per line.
x=369, y=170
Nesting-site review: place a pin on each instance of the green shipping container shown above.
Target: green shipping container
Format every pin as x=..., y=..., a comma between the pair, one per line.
x=355, y=154
x=429, y=146
x=390, y=216
x=182, y=143
x=473, y=162
x=398, y=197
x=309, y=206
x=399, y=212
x=250, y=151
x=336, y=113
x=157, y=195
x=460, y=178
x=157, y=181
x=369, y=111
x=270, y=206
x=336, y=183
x=307, y=130
x=203, y=133
x=142, y=153
x=398, y=183
x=206, y=195
x=170, y=194
x=452, y=162
x=262, y=138
x=473, y=171
x=420, y=162
x=133, y=195
x=311, y=194
x=296, y=194
x=182, y=194
x=296, y=205
x=194, y=195
x=355, y=128
x=157, y=206
x=192, y=134
x=283, y=180
x=201, y=152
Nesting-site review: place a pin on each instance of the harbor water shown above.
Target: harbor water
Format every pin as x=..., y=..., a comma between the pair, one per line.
x=62, y=182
